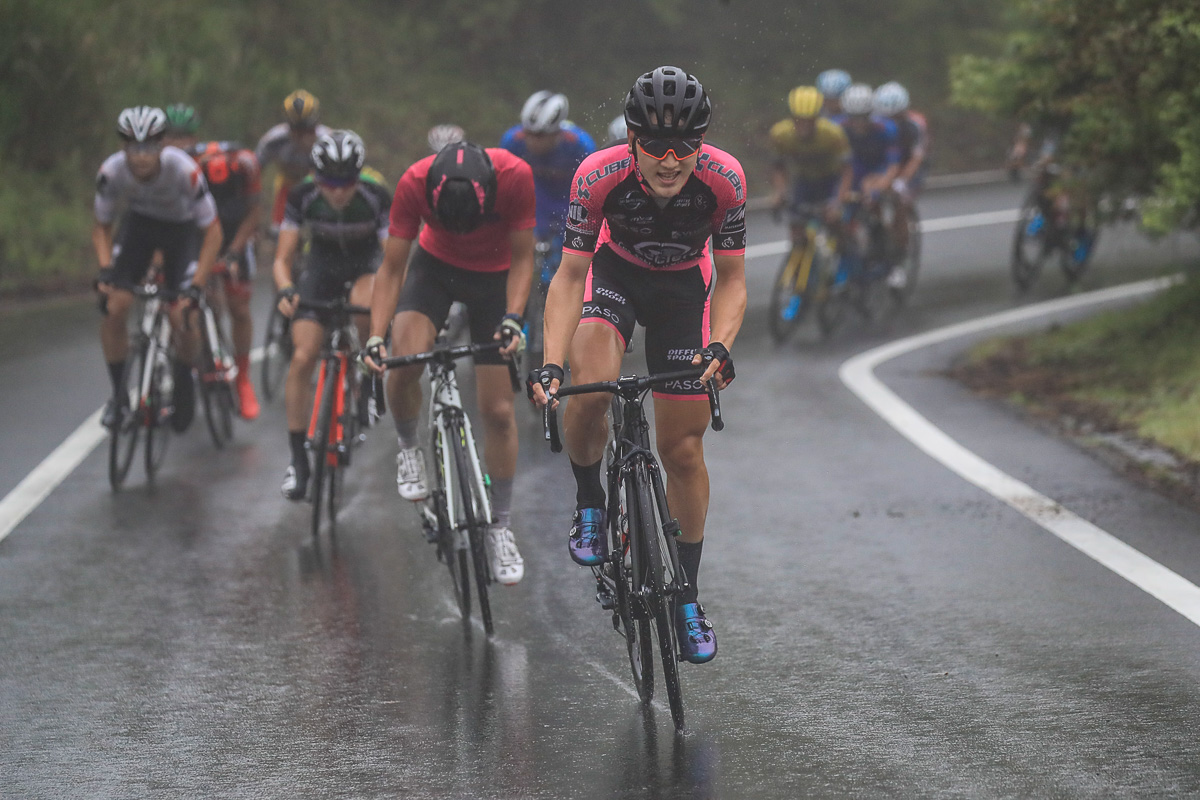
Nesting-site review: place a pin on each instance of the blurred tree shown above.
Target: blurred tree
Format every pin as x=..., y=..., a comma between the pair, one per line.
x=1120, y=80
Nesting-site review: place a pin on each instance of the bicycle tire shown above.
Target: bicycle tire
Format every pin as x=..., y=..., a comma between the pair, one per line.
x=912, y=259
x=1072, y=266
x=1029, y=248
x=158, y=418
x=276, y=353
x=832, y=302
x=476, y=528
x=792, y=291
x=344, y=444
x=319, y=444
x=210, y=390
x=448, y=541
x=660, y=605
x=631, y=566
x=123, y=439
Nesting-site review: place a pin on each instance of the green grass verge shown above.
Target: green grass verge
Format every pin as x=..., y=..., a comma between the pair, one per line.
x=1136, y=370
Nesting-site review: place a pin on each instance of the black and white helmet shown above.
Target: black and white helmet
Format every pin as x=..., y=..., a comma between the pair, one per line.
x=141, y=124
x=544, y=112
x=338, y=155
x=668, y=103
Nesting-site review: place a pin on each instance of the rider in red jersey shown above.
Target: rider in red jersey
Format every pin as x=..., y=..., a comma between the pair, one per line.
x=476, y=247
x=637, y=250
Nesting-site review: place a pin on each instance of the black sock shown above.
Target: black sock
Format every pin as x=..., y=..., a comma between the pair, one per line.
x=116, y=372
x=299, y=455
x=689, y=562
x=589, y=492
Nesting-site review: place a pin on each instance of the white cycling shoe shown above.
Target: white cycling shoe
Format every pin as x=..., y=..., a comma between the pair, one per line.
x=411, y=481
x=507, y=565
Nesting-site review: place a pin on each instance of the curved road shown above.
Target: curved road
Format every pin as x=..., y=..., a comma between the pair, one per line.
x=886, y=628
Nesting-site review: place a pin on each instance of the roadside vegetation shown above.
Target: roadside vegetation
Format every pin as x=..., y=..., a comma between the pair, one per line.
x=391, y=70
x=1135, y=372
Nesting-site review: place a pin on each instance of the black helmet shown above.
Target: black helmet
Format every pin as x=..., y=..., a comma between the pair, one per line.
x=668, y=103
x=461, y=186
x=338, y=155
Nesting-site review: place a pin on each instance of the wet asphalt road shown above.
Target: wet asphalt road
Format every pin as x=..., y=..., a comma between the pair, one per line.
x=886, y=629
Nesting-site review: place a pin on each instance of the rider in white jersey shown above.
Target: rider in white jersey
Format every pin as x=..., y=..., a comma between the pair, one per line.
x=167, y=204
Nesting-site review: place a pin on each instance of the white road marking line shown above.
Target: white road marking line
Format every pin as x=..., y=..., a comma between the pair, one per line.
x=927, y=226
x=54, y=469
x=1140, y=570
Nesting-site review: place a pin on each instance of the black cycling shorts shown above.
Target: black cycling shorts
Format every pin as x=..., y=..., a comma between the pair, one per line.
x=327, y=277
x=140, y=236
x=672, y=305
x=431, y=285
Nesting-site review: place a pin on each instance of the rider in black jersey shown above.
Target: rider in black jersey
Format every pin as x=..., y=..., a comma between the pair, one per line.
x=345, y=211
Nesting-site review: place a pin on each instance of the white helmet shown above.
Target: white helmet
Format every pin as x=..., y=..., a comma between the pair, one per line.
x=442, y=135
x=858, y=99
x=544, y=112
x=832, y=82
x=890, y=99
x=618, y=131
x=141, y=124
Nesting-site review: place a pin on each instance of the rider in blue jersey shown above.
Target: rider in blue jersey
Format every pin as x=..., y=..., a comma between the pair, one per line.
x=554, y=148
x=874, y=141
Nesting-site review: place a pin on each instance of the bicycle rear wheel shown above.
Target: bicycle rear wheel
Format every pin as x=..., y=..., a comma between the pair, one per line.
x=1076, y=253
x=124, y=438
x=276, y=353
x=320, y=442
x=476, y=527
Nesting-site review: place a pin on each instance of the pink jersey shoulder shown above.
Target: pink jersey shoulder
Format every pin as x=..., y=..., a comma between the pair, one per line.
x=723, y=173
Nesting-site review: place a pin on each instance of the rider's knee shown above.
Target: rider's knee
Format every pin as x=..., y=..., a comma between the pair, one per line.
x=682, y=456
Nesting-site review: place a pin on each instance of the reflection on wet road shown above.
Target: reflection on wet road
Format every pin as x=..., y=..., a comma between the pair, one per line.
x=886, y=628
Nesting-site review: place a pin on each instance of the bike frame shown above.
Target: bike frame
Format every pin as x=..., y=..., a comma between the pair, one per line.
x=448, y=419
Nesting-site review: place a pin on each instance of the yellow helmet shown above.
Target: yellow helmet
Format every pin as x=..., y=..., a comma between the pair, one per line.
x=300, y=107
x=805, y=102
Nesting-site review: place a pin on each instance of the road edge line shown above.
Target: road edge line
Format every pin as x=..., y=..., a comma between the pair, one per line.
x=858, y=375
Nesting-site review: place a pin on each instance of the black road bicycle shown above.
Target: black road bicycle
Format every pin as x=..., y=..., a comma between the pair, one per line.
x=339, y=414
x=148, y=393
x=641, y=577
x=459, y=509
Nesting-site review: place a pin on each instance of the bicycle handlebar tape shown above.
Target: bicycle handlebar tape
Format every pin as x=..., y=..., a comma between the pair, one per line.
x=550, y=421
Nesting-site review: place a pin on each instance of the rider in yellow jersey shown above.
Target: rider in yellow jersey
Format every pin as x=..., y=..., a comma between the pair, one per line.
x=814, y=153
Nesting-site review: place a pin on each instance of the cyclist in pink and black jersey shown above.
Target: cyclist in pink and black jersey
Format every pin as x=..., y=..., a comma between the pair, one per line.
x=637, y=250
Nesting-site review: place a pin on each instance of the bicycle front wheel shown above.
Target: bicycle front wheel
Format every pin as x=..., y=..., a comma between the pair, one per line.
x=158, y=413
x=276, y=353
x=1029, y=247
x=792, y=292
x=631, y=577
x=215, y=392
x=476, y=527
x=124, y=438
x=319, y=445
x=660, y=570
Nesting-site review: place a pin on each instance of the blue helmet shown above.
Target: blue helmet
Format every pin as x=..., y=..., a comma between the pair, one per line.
x=832, y=82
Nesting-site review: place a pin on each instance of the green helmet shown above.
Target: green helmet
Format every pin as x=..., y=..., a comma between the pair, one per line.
x=182, y=118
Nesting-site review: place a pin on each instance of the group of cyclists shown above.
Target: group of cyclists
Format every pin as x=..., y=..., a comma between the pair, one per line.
x=845, y=145
x=651, y=229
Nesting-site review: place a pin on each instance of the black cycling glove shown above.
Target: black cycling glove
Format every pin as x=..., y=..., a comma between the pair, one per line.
x=544, y=375
x=720, y=353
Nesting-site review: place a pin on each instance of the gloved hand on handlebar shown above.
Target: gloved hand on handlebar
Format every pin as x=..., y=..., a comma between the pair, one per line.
x=511, y=329
x=718, y=354
x=542, y=377
x=370, y=359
